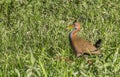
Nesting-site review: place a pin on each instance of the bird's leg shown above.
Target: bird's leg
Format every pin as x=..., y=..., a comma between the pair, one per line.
x=95, y=52
x=78, y=54
x=87, y=59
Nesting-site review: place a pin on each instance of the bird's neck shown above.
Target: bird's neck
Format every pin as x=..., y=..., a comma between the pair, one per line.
x=72, y=37
x=73, y=34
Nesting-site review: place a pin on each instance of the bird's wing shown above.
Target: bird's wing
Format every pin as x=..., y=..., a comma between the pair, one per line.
x=84, y=45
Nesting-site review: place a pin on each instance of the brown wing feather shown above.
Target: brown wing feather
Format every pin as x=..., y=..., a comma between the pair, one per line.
x=84, y=46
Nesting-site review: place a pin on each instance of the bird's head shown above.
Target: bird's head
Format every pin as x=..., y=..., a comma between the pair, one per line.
x=76, y=25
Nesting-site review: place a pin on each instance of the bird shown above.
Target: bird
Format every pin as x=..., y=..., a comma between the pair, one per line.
x=81, y=46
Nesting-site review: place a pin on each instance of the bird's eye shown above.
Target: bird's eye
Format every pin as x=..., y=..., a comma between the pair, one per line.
x=75, y=26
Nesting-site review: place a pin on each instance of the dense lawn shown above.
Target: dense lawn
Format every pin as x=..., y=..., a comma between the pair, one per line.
x=33, y=36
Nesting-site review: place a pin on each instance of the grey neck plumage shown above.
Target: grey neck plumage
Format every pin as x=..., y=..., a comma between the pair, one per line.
x=70, y=38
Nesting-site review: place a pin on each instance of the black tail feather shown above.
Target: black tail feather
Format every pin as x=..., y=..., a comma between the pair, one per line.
x=98, y=43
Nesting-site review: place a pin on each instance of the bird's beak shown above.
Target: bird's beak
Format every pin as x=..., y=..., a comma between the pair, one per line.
x=70, y=27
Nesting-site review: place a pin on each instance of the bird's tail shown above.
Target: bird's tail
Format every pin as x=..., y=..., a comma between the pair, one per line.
x=98, y=43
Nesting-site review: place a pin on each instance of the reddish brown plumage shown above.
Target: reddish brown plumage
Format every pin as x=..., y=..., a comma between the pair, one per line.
x=79, y=45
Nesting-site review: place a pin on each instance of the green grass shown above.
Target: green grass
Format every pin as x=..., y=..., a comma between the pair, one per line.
x=33, y=33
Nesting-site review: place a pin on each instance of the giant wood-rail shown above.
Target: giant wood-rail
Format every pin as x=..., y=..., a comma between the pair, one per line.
x=79, y=45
